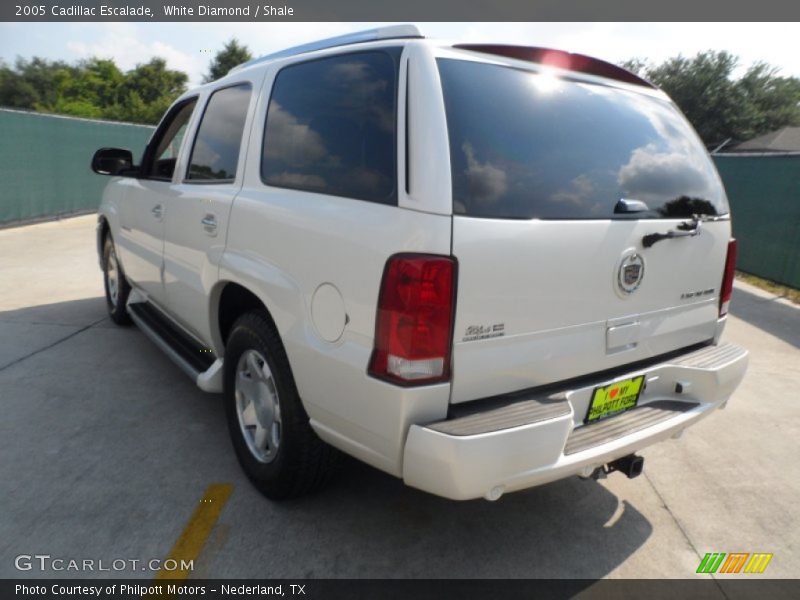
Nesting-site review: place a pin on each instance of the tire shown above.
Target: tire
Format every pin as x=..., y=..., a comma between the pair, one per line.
x=270, y=431
x=116, y=285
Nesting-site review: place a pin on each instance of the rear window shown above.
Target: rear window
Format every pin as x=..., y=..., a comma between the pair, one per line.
x=529, y=145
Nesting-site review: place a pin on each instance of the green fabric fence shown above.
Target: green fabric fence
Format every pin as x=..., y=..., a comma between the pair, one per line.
x=764, y=194
x=44, y=162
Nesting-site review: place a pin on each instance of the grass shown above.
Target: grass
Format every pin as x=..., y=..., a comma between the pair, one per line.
x=784, y=291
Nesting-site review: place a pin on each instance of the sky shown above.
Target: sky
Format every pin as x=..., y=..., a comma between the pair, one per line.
x=190, y=46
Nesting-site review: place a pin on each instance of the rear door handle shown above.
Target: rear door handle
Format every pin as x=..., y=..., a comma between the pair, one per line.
x=210, y=224
x=157, y=211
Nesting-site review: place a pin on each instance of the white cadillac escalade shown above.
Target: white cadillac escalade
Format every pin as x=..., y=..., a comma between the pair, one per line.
x=476, y=267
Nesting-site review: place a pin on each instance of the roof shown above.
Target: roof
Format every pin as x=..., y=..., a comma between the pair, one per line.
x=370, y=35
x=548, y=57
x=786, y=139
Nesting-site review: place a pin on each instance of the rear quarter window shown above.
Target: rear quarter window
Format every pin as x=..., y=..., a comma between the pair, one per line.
x=331, y=127
x=530, y=145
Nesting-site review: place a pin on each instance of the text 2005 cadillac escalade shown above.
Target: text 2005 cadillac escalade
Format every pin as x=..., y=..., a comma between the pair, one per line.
x=476, y=267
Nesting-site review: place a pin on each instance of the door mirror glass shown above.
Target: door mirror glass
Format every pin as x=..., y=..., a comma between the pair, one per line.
x=113, y=161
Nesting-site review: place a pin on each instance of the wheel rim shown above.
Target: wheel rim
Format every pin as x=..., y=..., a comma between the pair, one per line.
x=257, y=406
x=112, y=275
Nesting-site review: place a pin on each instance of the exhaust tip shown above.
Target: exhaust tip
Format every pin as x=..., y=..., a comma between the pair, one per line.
x=494, y=494
x=631, y=465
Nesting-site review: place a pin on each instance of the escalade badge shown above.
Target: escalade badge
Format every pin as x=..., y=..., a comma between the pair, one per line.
x=631, y=272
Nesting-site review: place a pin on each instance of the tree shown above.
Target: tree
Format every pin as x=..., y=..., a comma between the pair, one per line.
x=719, y=106
x=231, y=55
x=35, y=83
x=774, y=101
x=93, y=88
x=703, y=88
x=147, y=91
x=98, y=81
x=153, y=81
x=15, y=91
x=636, y=65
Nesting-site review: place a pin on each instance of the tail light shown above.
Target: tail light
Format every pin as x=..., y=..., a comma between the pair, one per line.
x=414, y=325
x=726, y=289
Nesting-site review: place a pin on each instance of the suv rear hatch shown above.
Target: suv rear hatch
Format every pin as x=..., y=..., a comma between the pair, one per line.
x=556, y=182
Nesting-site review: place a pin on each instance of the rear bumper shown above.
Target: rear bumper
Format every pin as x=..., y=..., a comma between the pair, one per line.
x=541, y=439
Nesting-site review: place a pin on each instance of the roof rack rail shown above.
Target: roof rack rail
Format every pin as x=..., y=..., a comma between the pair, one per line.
x=370, y=35
x=560, y=59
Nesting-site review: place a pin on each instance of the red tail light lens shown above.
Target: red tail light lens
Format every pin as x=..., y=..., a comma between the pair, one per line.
x=414, y=326
x=726, y=289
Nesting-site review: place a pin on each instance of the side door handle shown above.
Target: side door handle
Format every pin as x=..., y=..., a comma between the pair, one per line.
x=158, y=211
x=210, y=224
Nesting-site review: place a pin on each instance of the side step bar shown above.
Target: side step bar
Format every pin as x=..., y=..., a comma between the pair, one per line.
x=197, y=362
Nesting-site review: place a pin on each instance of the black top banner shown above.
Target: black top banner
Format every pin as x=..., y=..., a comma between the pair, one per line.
x=399, y=10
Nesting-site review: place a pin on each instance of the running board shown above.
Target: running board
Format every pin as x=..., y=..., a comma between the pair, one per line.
x=197, y=362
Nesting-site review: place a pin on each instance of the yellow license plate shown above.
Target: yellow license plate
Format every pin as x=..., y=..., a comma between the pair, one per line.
x=614, y=398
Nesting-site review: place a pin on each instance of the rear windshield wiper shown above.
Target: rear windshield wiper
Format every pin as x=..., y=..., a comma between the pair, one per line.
x=686, y=229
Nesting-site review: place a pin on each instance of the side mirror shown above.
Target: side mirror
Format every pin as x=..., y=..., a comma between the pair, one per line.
x=112, y=161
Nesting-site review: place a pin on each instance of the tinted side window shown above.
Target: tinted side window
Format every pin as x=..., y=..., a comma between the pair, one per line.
x=526, y=145
x=331, y=127
x=161, y=154
x=216, y=147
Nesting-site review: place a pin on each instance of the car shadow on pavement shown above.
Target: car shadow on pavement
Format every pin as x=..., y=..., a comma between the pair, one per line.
x=369, y=524
x=104, y=380
x=80, y=312
x=31, y=329
x=774, y=317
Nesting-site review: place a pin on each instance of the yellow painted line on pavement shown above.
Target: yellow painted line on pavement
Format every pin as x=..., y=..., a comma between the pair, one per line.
x=191, y=542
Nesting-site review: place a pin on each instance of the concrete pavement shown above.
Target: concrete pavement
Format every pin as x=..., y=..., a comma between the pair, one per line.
x=107, y=448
